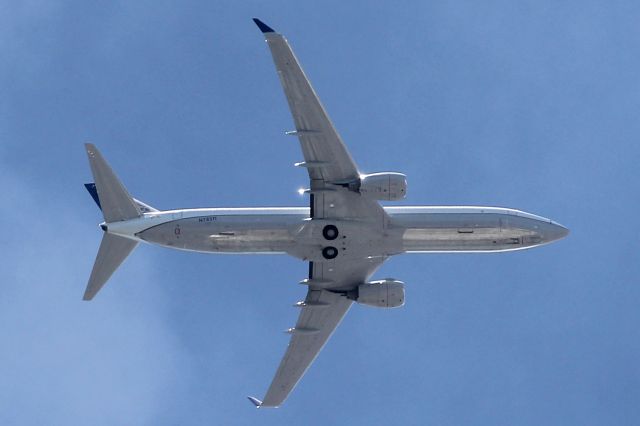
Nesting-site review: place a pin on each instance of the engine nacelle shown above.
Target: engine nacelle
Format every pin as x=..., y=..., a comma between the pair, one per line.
x=381, y=294
x=387, y=186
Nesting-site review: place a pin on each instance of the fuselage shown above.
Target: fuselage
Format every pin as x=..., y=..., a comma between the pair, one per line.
x=410, y=229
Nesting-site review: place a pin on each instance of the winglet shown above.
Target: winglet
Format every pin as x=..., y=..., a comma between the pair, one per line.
x=263, y=27
x=255, y=401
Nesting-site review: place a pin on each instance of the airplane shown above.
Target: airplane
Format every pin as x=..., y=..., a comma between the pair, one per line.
x=345, y=234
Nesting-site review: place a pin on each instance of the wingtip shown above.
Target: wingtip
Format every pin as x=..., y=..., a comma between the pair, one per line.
x=263, y=27
x=255, y=401
x=88, y=295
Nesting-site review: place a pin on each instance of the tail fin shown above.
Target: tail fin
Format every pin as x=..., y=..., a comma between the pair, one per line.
x=116, y=205
x=91, y=187
x=143, y=207
x=115, y=201
x=113, y=251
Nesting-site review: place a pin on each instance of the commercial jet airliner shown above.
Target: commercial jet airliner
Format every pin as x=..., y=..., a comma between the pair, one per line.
x=344, y=234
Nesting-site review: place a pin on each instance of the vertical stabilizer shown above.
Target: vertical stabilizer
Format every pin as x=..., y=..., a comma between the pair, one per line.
x=113, y=251
x=115, y=201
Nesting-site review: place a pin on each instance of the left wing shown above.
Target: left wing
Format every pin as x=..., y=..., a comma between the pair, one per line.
x=326, y=158
x=325, y=155
x=322, y=311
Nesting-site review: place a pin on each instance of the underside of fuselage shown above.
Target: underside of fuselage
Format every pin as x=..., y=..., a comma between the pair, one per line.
x=289, y=230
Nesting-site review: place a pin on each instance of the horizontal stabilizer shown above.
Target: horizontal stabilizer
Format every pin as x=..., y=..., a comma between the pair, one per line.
x=113, y=251
x=115, y=201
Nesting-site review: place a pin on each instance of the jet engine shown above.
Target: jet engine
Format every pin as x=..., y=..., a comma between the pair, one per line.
x=388, y=293
x=386, y=186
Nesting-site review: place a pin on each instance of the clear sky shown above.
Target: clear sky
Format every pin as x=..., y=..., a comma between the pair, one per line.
x=529, y=104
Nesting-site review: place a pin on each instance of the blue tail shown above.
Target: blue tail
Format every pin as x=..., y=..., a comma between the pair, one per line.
x=91, y=187
x=93, y=191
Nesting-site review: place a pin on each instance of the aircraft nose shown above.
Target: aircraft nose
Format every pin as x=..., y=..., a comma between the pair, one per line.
x=556, y=232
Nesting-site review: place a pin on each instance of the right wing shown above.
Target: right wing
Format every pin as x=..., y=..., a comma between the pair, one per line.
x=322, y=311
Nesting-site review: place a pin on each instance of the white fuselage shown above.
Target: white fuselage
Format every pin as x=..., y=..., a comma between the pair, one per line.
x=290, y=230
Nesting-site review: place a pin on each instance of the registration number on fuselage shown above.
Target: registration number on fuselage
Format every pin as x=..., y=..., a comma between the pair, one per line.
x=208, y=219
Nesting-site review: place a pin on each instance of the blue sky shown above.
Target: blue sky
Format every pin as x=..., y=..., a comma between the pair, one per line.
x=531, y=105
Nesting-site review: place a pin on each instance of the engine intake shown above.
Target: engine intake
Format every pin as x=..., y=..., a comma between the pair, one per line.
x=387, y=293
x=386, y=186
